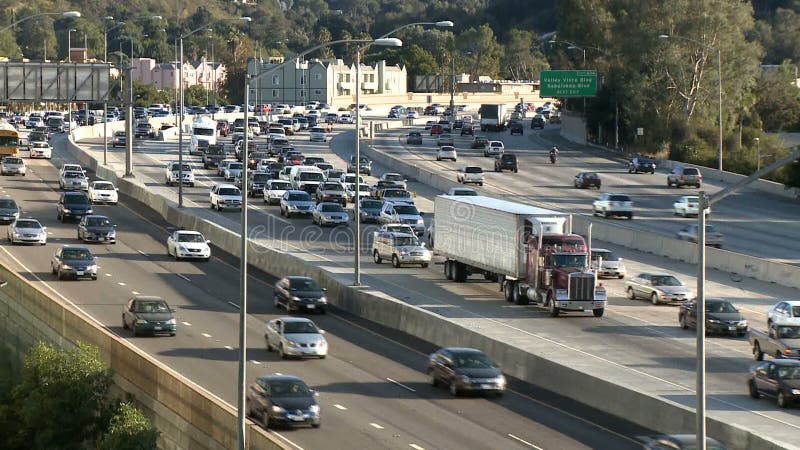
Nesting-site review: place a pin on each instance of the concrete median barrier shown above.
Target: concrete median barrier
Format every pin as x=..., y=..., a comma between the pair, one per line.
x=535, y=360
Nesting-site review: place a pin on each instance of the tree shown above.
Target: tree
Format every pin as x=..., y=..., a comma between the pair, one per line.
x=778, y=102
x=129, y=429
x=58, y=403
x=519, y=60
x=482, y=51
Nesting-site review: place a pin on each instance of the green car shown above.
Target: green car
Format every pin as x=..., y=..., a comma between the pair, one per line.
x=149, y=315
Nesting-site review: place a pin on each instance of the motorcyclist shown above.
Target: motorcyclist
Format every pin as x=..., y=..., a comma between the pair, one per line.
x=553, y=154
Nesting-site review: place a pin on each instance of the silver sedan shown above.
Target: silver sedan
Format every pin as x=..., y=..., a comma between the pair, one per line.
x=658, y=288
x=329, y=213
x=27, y=231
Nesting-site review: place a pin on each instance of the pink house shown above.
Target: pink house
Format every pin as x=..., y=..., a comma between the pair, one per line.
x=165, y=75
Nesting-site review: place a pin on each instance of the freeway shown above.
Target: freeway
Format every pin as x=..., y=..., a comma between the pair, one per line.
x=374, y=391
x=759, y=229
x=635, y=342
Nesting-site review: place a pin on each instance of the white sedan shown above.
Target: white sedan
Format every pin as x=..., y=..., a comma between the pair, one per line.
x=412, y=115
x=27, y=231
x=688, y=206
x=786, y=312
x=41, y=149
x=103, y=192
x=188, y=244
x=295, y=336
x=274, y=190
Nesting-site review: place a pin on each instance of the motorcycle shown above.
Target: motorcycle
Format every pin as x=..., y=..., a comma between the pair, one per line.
x=553, y=157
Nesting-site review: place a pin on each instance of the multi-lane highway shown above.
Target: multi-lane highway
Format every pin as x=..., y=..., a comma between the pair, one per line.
x=374, y=391
x=634, y=340
x=753, y=222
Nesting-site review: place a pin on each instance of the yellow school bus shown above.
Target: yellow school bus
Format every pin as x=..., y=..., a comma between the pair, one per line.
x=9, y=140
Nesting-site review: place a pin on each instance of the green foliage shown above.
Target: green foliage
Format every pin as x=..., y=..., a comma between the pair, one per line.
x=129, y=429
x=778, y=102
x=147, y=94
x=58, y=402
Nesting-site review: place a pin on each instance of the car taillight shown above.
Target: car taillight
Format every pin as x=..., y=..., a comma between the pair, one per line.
x=681, y=177
x=691, y=205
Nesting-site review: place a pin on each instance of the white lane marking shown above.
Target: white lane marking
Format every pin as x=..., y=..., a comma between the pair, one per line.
x=760, y=313
x=255, y=362
x=278, y=373
x=107, y=274
x=416, y=447
x=121, y=283
x=375, y=425
x=205, y=335
x=338, y=406
x=143, y=253
x=228, y=347
x=401, y=385
x=184, y=277
x=135, y=292
x=234, y=305
x=524, y=442
x=286, y=440
x=186, y=324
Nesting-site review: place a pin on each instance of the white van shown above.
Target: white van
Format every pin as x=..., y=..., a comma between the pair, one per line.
x=306, y=178
x=204, y=133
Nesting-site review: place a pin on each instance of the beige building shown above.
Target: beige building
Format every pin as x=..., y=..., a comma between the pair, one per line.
x=327, y=81
x=165, y=75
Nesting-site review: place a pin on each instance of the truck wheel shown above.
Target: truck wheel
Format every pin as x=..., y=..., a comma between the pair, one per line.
x=758, y=355
x=598, y=312
x=507, y=291
x=654, y=298
x=753, y=389
x=551, y=303
x=395, y=261
x=376, y=257
x=631, y=295
x=459, y=272
x=448, y=270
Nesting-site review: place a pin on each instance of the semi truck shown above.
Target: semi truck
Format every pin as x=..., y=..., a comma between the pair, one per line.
x=204, y=133
x=493, y=117
x=531, y=252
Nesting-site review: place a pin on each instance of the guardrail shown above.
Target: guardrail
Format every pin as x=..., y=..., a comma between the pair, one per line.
x=538, y=363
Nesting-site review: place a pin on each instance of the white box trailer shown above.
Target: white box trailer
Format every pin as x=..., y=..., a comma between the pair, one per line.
x=487, y=234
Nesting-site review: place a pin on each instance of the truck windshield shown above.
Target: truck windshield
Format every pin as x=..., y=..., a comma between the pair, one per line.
x=569, y=260
x=204, y=131
x=310, y=176
x=788, y=332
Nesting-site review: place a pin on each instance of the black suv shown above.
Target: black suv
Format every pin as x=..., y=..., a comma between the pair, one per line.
x=506, y=161
x=297, y=293
x=516, y=128
x=537, y=122
x=73, y=205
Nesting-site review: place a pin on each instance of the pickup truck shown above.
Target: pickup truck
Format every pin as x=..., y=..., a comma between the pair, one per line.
x=212, y=156
x=780, y=341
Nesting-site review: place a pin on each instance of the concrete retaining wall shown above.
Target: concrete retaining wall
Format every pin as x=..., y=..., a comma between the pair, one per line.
x=187, y=416
x=612, y=397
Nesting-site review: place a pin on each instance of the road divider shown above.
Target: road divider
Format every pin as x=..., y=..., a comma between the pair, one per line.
x=537, y=359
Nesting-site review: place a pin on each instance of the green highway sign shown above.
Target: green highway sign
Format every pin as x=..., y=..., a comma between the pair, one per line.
x=568, y=83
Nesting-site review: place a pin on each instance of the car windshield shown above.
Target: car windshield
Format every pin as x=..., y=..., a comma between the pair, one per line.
x=76, y=254
x=12, y=161
x=28, y=224
x=303, y=284
x=311, y=176
x=720, y=307
x=691, y=199
x=472, y=361
x=186, y=168
x=98, y=222
x=473, y=170
x=406, y=209
x=607, y=256
x=332, y=207
x=789, y=332
x=7, y=203
x=230, y=191
x=371, y=204
x=396, y=193
x=73, y=175
x=569, y=260
x=76, y=199
x=619, y=198
x=190, y=237
x=300, y=327
x=235, y=166
x=789, y=373
x=393, y=177
x=288, y=388
x=300, y=197
x=151, y=306
x=691, y=172
x=280, y=185
x=469, y=192
x=103, y=187
x=402, y=241
x=260, y=177
x=332, y=186
x=665, y=280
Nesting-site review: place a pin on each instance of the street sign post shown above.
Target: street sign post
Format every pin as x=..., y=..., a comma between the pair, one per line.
x=568, y=83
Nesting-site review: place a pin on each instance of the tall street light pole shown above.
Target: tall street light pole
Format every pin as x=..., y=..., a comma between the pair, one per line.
x=719, y=86
x=72, y=14
x=105, y=103
x=69, y=85
x=758, y=154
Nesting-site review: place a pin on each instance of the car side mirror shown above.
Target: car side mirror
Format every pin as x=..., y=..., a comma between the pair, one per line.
x=321, y=331
x=324, y=289
x=421, y=213
x=208, y=241
x=116, y=189
x=315, y=393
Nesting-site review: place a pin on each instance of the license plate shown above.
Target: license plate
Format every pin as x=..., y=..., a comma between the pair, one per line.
x=157, y=328
x=297, y=418
x=312, y=306
x=486, y=386
x=731, y=328
x=102, y=239
x=80, y=272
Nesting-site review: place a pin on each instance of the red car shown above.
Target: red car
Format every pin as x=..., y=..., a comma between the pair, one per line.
x=437, y=129
x=223, y=128
x=296, y=160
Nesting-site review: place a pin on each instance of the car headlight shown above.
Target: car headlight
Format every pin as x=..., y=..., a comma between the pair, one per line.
x=171, y=322
x=277, y=409
x=742, y=323
x=420, y=221
x=67, y=210
x=291, y=343
x=16, y=233
x=92, y=267
x=16, y=214
x=322, y=343
x=295, y=299
x=403, y=253
x=500, y=379
x=66, y=266
x=713, y=321
x=795, y=391
x=314, y=409
x=89, y=211
x=323, y=299
x=140, y=321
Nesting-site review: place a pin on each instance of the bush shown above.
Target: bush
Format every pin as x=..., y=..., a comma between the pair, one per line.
x=129, y=429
